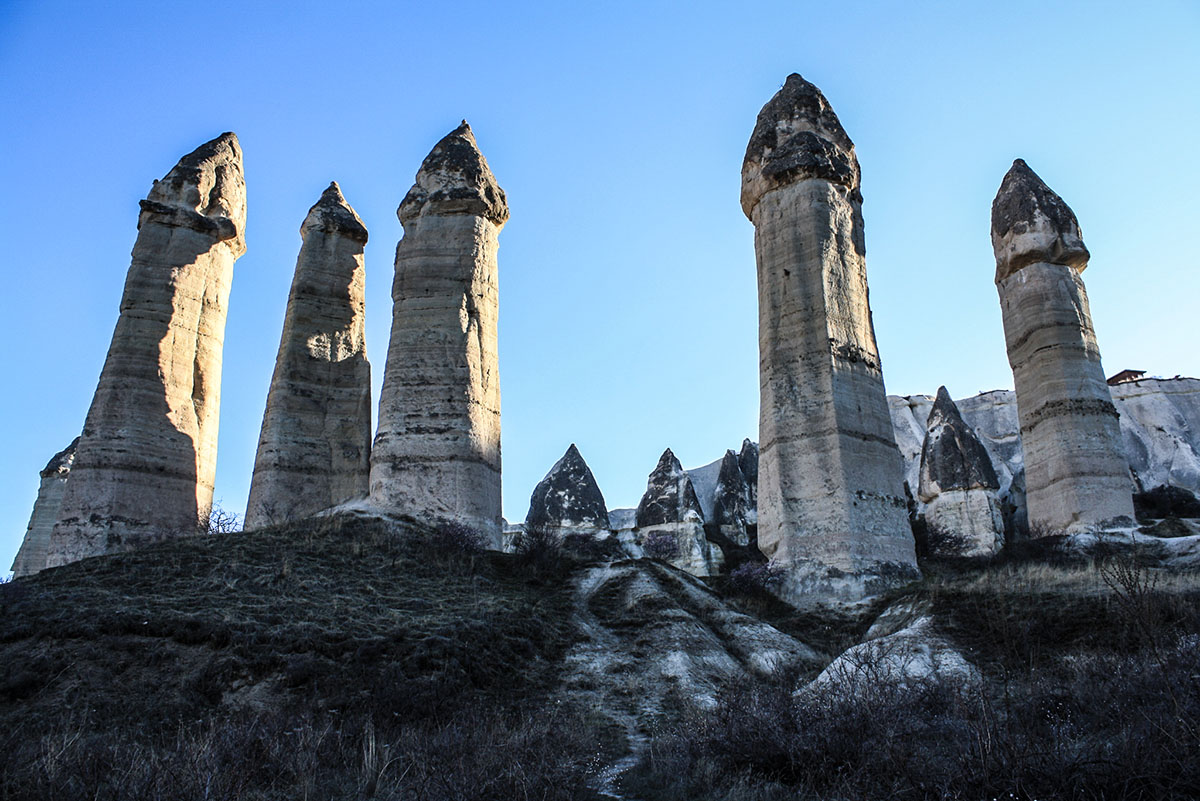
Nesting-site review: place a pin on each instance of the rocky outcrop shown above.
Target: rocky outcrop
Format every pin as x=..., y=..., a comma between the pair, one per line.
x=670, y=521
x=1076, y=475
x=958, y=486
x=733, y=506
x=436, y=454
x=31, y=557
x=830, y=494
x=146, y=461
x=314, y=448
x=748, y=464
x=568, y=500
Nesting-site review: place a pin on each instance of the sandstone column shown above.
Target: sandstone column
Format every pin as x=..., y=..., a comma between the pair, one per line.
x=32, y=555
x=437, y=450
x=831, y=503
x=147, y=458
x=1076, y=475
x=315, y=445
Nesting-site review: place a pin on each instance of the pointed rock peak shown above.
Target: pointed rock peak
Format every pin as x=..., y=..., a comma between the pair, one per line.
x=748, y=461
x=729, y=466
x=1032, y=224
x=797, y=136
x=455, y=179
x=206, y=191
x=333, y=215
x=667, y=463
x=568, y=497
x=944, y=411
x=670, y=496
x=952, y=457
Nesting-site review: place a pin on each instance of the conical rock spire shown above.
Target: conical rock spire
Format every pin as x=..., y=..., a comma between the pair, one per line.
x=455, y=179
x=1032, y=224
x=797, y=136
x=952, y=457
x=568, y=498
x=206, y=191
x=333, y=215
x=670, y=496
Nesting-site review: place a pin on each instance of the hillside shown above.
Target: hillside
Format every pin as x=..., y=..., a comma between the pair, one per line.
x=352, y=657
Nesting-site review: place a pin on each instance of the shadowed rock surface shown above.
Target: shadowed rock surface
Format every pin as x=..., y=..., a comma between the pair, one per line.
x=31, y=557
x=670, y=513
x=733, y=505
x=831, y=503
x=146, y=460
x=437, y=450
x=568, y=499
x=1077, y=477
x=958, y=486
x=314, y=448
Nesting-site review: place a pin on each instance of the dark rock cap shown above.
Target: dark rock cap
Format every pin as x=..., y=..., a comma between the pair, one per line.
x=748, y=462
x=731, y=498
x=455, y=179
x=205, y=191
x=670, y=496
x=952, y=457
x=333, y=215
x=568, y=494
x=61, y=462
x=797, y=136
x=1032, y=224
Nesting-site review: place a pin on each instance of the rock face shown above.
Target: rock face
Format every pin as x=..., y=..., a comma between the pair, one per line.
x=733, y=506
x=146, y=461
x=315, y=445
x=670, y=520
x=32, y=555
x=958, y=486
x=1076, y=474
x=568, y=500
x=831, y=498
x=437, y=450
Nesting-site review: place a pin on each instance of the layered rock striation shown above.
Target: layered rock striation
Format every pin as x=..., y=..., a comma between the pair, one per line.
x=1076, y=474
x=146, y=461
x=958, y=486
x=314, y=448
x=436, y=453
x=670, y=520
x=831, y=503
x=568, y=500
x=31, y=557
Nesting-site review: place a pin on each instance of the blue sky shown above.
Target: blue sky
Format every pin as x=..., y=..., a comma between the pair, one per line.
x=627, y=279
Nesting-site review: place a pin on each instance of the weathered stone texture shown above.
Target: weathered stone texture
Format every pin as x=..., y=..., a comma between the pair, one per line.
x=733, y=506
x=568, y=500
x=31, y=557
x=1076, y=474
x=958, y=486
x=315, y=445
x=670, y=511
x=437, y=450
x=146, y=461
x=831, y=499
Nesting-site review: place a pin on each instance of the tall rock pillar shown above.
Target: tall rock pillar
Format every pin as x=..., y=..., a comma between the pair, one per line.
x=31, y=557
x=1076, y=474
x=831, y=503
x=315, y=446
x=146, y=461
x=437, y=450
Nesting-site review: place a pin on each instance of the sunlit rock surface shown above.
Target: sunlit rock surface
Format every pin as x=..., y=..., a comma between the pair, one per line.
x=831, y=503
x=436, y=454
x=314, y=448
x=1076, y=474
x=146, y=461
x=31, y=557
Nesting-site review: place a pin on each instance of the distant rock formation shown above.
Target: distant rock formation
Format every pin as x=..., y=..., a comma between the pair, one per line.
x=145, y=464
x=733, y=505
x=437, y=450
x=315, y=445
x=831, y=499
x=1076, y=474
x=568, y=500
x=31, y=557
x=958, y=486
x=670, y=520
x=748, y=464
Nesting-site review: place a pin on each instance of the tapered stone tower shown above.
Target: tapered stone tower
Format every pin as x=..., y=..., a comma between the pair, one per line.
x=146, y=461
x=1076, y=474
x=831, y=503
x=31, y=557
x=315, y=446
x=437, y=450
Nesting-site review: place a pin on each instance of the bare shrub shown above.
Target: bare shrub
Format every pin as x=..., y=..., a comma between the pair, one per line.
x=222, y=522
x=751, y=578
x=459, y=538
x=660, y=545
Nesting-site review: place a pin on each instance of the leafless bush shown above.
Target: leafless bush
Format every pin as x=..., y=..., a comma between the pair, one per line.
x=222, y=522
x=749, y=578
x=660, y=545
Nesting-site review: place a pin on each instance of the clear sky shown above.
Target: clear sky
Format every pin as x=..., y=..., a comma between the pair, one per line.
x=627, y=278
